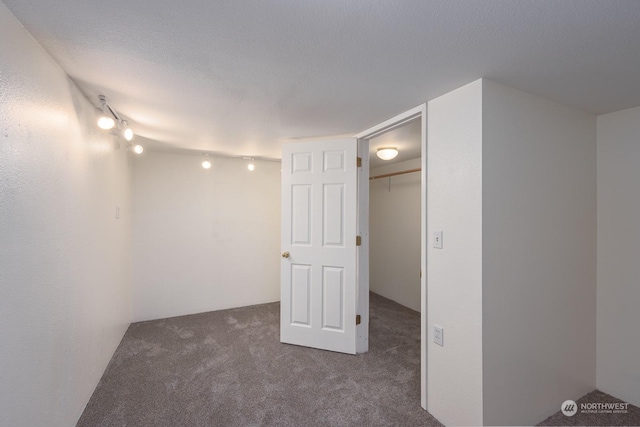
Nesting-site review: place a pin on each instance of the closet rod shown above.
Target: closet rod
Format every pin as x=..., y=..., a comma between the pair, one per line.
x=385, y=175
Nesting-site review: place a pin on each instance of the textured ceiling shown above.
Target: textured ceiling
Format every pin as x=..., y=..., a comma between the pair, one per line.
x=239, y=77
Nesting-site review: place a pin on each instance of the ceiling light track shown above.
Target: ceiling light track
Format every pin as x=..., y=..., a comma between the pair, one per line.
x=208, y=158
x=252, y=159
x=113, y=112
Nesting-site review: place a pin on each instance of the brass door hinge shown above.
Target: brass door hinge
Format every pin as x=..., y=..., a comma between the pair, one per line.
x=358, y=240
x=358, y=319
x=359, y=162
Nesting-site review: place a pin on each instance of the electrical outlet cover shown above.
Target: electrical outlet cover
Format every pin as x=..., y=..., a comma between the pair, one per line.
x=437, y=239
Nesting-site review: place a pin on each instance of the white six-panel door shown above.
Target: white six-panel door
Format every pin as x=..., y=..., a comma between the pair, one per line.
x=318, y=266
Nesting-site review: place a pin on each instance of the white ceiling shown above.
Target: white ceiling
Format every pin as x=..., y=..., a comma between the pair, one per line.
x=239, y=77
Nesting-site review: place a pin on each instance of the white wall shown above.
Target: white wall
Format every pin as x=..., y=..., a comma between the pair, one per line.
x=539, y=257
x=394, y=233
x=203, y=239
x=454, y=273
x=619, y=254
x=64, y=258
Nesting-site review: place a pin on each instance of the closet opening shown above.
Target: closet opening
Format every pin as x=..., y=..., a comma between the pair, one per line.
x=393, y=222
x=394, y=216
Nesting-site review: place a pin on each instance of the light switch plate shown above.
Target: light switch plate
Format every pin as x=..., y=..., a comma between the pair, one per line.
x=437, y=239
x=438, y=335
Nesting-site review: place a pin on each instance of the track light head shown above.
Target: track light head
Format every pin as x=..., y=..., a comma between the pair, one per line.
x=251, y=166
x=138, y=149
x=127, y=132
x=206, y=163
x=105, y=121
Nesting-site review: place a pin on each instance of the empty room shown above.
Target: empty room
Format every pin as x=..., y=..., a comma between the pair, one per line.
x=331, y=213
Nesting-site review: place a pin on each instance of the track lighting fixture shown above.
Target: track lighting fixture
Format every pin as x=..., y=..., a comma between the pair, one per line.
x=249, y=162
x=107, y=120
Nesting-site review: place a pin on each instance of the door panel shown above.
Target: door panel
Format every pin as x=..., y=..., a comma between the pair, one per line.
x=333, y=215
x=319, y=223
x=333, y=298
x=300, y=295
x=301, y=215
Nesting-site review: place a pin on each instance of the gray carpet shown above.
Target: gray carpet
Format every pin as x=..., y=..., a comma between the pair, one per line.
x=228, y=368
x=587, y=418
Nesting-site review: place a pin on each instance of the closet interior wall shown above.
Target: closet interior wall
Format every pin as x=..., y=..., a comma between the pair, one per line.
x=395, y=234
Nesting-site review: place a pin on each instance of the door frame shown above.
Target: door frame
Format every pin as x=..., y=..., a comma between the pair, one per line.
x=363, y=218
